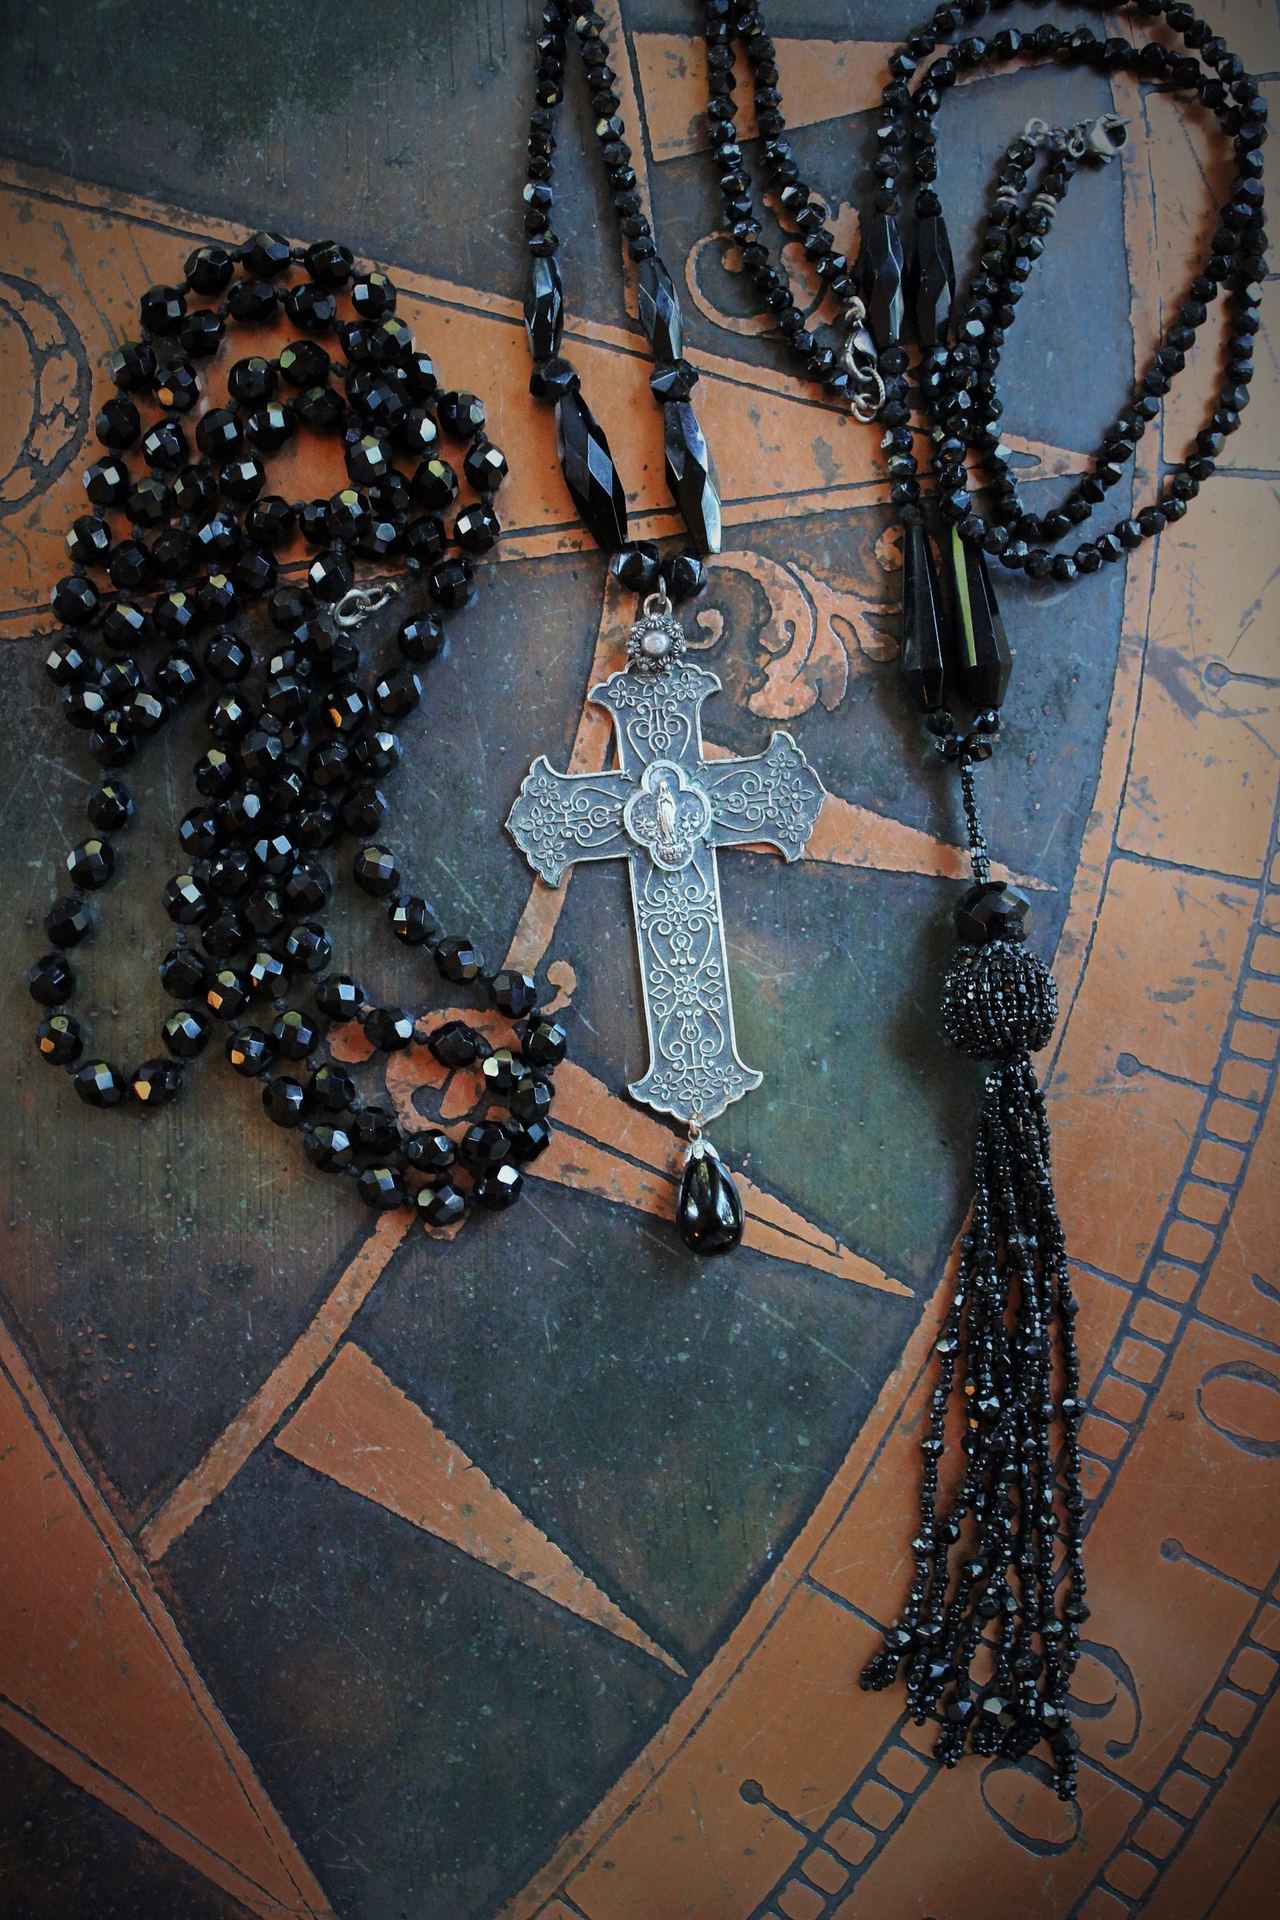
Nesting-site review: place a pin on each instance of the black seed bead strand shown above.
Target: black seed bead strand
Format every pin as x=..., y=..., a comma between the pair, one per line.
x=250, y=744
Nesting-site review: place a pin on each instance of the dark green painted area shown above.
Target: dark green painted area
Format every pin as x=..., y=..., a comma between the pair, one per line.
x=428, y=1729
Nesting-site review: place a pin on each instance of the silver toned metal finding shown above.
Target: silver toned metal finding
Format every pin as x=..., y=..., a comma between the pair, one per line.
x=357, y=603
x=858, y=358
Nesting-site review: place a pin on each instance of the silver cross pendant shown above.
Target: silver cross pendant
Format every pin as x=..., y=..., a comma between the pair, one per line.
x=667, y=811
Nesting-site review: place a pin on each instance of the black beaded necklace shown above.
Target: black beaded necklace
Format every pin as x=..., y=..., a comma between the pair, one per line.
x=989, y=1638
x=300, y=747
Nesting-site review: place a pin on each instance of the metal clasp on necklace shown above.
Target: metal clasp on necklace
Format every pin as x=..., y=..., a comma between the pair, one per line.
x=357, y=603
x=1100, y=139
x=858, y=358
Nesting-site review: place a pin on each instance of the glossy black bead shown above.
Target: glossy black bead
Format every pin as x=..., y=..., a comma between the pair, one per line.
x=455, y=1044
x=412, y=920
x=484, y=1146
x=329, y=263
x=691, y=475
x=50, y=982
x=117, y=424
x=880, y=270
x=59, y=1040
x=659, y=310
x=375, y=1132
x=267, y=975
x=329, y=1147
x=227, y=993
x=284, y=1102
x=933, y=281
x=421, y=639
x=685, y=575
x=250, y=1052
x=441, y=1206
x=543, y=306
x=544, y=1043
x=106, y=481
x=186, y=1032
x=132, y=367
x=99, y=1084
x=330, y=1090
x=67, y=923
x=460, y=414
x=89, y=540
x=637, y=567
x=590, y=475
x=709, y=1211
x=499, y=1188
x=373, y=296
x=458, y=959
x=160, y=309
x=75, y=600
x=451, y=584
x=435, y=484
x=983, y=662
x=922, y=656
x=307, y=948
x=91, y=864
x=208, y=270
x=177, y=386
x=388, y=1029
x=376, y=871
x=993, y=910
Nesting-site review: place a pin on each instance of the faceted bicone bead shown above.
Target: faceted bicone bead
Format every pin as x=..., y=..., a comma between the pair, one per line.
x=933, y=281
x=250, y=1052
x=500, y=1188
x=922, y=660
x=91, y=864
x=156, y=1083
x=659, y=310
x=691, y=475
x=880, y=269
x=329, y=1147
x=50, y=981
x=430, y=1154
x=382, y=1188
x=983, y=661
x=993, y=910
x=441, y=1206
x=543, y=1043
x=459, y=959
x=543, y=306
x=186, y=1032
x=388, y=1029
x=99, y=1084
x=455, y=1044
x=58, y=1040
x=590, y=475
x=285, y=1102
x=709, y=1211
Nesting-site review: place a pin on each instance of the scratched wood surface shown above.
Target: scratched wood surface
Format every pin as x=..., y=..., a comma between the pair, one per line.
x=347, y=1572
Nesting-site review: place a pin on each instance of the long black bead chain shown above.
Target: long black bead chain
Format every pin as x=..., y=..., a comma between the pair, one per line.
x=298, y=755
x=590, y=473
x=990, y=1633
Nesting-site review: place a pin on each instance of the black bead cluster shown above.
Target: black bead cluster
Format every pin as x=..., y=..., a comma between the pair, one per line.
x=592, y=478
x=301, y=749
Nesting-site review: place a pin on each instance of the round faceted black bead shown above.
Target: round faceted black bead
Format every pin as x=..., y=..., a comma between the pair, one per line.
x=129, y=566
x=106, y=481
x=175, y=616
x=65, y=664
x=485, y=466
x=177, y=386
x=227, y=659
x=376, y=753
x=412, y=920
x=304, y=363
x=382, y=1188
x=67, y=922
x=132, y=367
x=160, y=309
x=504, y=1073
x=330, y=1089
x=243, y=479
x=376, y=871
x=217, y=597
x=253, y=381
x=307, y=948
x=514, y=993
x=187, y=900
x=267, y=975
x=186, y=1032
x=375, y=1132
x=500, y=1188
x=306, y=891
x=91, y=864
x=273, y=426
x=450, y=584
x=50, y=982
x=316, y=827
x=368, y=460
x=421, y=639
x=685, y=575
x=485, y=1145
x=398, y=693
x=183, y=974
x=156, y=1083
x=265, y=255
x=330, y=1148
x=149, y=504
x=531, y=1099
x=312, y=308
x=389, y=1029
x=430, y=1154
x=89, y=540
x=637, y=568
x=329, y=263
x=477, y=529
x=227, y=993
x=461, y=414
x=252, y=301
x=201, y=332
x=176, y=676
x=455, y=1044
x=554, y=380
x=99, y=1084
x=220, y=432
x=284, y=1101
x=295, y=1034
x=321, y=408
x=459, y=959
x=373, y=296
x=364, y=809
x=209, y=269
x=992, y=911
x=435, y=484
x=419, y=376
x=330, y=576
x=441, y=1206
x=417, y=432
x=389, y=342
x=529, y=1138
x=85, y=707
x=224, y=934
x=74, y=600
x=109, y=806
x=117, y=424
x=58, y=1040
x=164, y=447
x=250, y=1052
x=543, y=1043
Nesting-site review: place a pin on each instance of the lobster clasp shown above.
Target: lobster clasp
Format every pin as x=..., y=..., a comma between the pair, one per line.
x=1106, y=136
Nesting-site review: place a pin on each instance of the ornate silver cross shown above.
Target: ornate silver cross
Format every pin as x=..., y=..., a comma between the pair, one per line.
x=666, y=810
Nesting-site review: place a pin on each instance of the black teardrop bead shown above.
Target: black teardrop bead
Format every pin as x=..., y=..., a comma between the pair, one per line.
x=983, y=662
x=589, y=472
x=880, y=267
x=710, y=1210
x=933, y=281
x=923, y=668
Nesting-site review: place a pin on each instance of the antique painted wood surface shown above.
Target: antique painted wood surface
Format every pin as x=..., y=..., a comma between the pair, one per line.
x=349, y=1572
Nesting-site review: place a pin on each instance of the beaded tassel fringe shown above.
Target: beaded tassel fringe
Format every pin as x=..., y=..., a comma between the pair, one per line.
x=989, y=1636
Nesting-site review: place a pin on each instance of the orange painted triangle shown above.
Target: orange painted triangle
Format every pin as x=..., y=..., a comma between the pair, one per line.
x=359, y=1429
x=94, y=1676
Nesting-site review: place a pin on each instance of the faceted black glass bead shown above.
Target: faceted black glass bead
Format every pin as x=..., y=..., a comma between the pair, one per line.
x=109, y=806
x=477, y=529
x=363, y=809
x=330, y=576
x=208, y=270
x=455, y=1044
x=67, y=923
x=421, y=639
x=412, y=920
x=419, y=376
x=933, y=281
x=637, y=567
x=58, y=1040
x=674, y=382
x=484, y=1146
x=451, y=584
x=441, y=1206
x=329, y=263
x=685, y=575
x=253, y=381
x=160, y=309
x=485, y=467
x=252, y=301
x=461, y=414
x=330, y=1148
x=132, y=367
x=389, y=343
x=250, y=1052
x=284, y=1102
x=187, y=900
x=266, y=976
x=307, y=948
x=659, y=310
x=311, y=308
x=330, y=1089
x=89, y=540
x=691, y=475
x=304, y=363
x=922, y=660
x=992, y=911
x=227, y=993
x=375, y=1131
x=99, y=1084
x=880, y=271
x=217, y=597
x=266, y=255
x=554, y=379
x=50, y=982
x=543, y=306
x=243, y=479
x=186, y=1032
x=373, y=296
x=530, y=1099
x=201, y=332
x=368, y=460
x=295, y=1034
x=709, y=1211
x=183, y=974
x=177, y=386
x=430, y=1154
x=156, y=1083
x=91, y=864
x=376, y=753
x=74, y=600
x=65, y=664
x=273, y=426
x=117, y=424
x=106, y=482
x=435, y=484
x=85, y=707
x=529, y=1138
x=224, y=934
x=590, y=475
x=544, y=1043
x=165, y=446
x=983, y=661
x=458, y=959
x=389, y=1029
x=513, y=993
x=149, y=503
x=499, y=1188
x=504, y=1073
x=129, y=566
